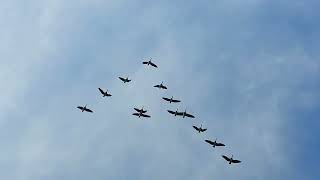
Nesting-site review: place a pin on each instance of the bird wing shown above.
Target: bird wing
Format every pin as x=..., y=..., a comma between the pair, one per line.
x=144, y=62
x=203, y=130
x=189, y=115
x=152, y=64
x=128, y=80
x=108, y=95
x=195, y=127
x=157, y=86
x=145, y=115
x=210, y=142
x=175, y=101
x=80, y=107
x=102, y=92
x=220, y=144
x=88, y=110
x=236, y=161
x=135, y=114
x=171, y=112
x=122, y=79
x=164, y=87
x=167, y=99
x=139, y=110
x=226, y=158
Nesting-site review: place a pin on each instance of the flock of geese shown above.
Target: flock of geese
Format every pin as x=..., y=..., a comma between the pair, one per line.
x=142, y=112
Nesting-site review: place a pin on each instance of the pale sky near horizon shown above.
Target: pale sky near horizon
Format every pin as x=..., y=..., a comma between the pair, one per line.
x=248, y=70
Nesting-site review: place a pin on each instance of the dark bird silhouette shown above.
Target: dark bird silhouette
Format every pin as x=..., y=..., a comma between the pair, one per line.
x=199, y=129
x=160, y=86
x=84, y=109
x=185, y=114
x=214, y=143
x=230, y=160
x=171, y=100
x=175, y=113
x=150, y=63
x=140, y=114
x=140, y=110
x=104, y=93
x=125, y=80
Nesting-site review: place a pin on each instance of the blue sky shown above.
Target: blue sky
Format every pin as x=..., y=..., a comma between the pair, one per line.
x=248, y=70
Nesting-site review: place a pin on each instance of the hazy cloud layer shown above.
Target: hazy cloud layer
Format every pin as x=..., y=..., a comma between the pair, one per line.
x=248, y=71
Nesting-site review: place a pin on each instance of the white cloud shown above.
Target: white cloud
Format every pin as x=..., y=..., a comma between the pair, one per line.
x=62, y=52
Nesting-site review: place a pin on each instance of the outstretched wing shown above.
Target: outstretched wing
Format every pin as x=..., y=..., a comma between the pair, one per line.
x=189, y=115
x=210, y=142
x=236, y=161
x=175, y=101
x=152, y=64
x=88, y=110
x=167, y=99
x=102, y=92
x=226, y=158
x=203, y=130
x=128, y=80
x=220, y=144
x=139, y=110
x=80, y=107
x=157, y=86
x=196, y=128
x=145, y=62
x=108, y=95
x=135, y=114
x=163, y=87
x=122, y=79
x=171, y=112
x=145, y=115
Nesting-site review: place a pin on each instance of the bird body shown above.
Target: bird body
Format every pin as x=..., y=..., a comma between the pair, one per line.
x=141, y=113
x=230, y=160
x=125, y=80
x=84, y=108
x=199, y=129
x=175, y=113
x=104, y=93
x=171, y=100
x=140, y=110
x=150, y=63
x=160, y=86
x=214, y=143
x=185, y=114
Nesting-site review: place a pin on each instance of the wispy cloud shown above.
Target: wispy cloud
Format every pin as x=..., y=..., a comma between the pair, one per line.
x=247, y=71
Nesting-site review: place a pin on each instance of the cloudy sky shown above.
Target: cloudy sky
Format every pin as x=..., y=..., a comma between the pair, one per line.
x=248, y=70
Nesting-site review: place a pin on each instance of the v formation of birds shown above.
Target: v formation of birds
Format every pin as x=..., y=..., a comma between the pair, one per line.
x=142, y=112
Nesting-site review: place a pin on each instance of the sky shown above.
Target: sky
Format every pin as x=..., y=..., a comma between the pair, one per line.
x=248, y=70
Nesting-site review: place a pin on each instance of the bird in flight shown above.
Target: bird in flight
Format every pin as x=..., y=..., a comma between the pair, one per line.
x=175, y=113
x=199, y=129
x=150, y=63
x=140, y=110
x=104, y=93
x=141, y=115
x=214, y=143
x=185, y=114
x=230, y=160
x=125, y=80
x=160, y=86
x=84, y=109
x=171, y=100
